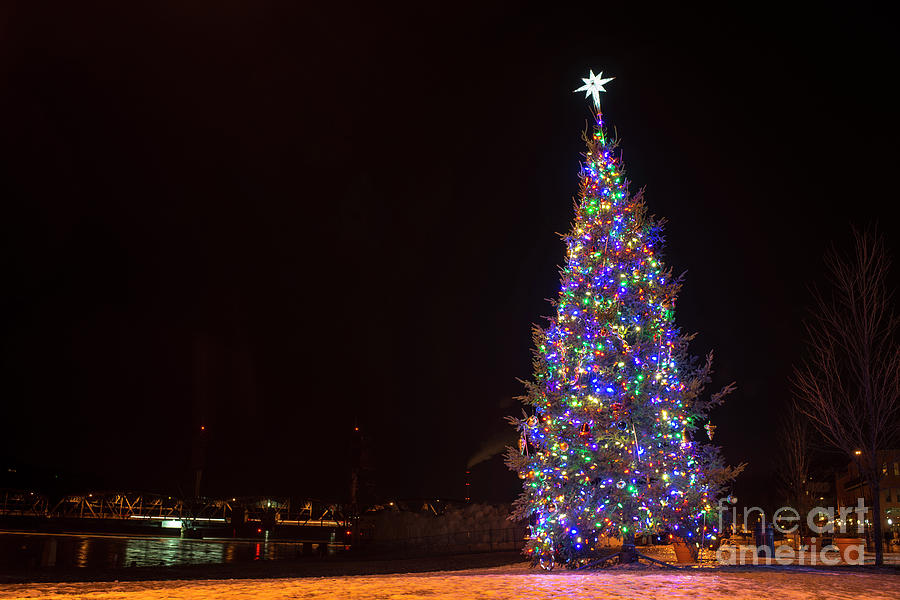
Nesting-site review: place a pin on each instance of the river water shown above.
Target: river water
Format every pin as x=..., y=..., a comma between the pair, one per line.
x=30, y=550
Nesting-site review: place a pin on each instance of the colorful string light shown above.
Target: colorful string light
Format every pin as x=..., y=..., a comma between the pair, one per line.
x=609, y=449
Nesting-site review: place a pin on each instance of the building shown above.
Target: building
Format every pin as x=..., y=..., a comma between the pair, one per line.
x=850, y=486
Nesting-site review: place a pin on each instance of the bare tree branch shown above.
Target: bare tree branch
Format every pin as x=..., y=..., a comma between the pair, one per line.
x=849, y=384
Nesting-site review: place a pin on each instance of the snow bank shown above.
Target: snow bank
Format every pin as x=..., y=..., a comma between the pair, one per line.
x=397, y=525
x=498, y=584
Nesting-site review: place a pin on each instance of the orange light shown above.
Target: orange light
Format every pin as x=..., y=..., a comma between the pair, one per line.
x=203, y=428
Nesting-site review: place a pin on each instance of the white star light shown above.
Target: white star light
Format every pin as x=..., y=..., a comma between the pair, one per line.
x=593, y=85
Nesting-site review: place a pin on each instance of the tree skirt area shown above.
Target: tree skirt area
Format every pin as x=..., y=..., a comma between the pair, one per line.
x=513, y=582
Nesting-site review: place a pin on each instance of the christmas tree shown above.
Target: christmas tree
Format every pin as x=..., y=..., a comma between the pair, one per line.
x=609, y=445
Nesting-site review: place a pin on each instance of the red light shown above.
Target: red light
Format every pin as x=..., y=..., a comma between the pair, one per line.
x=259, y=531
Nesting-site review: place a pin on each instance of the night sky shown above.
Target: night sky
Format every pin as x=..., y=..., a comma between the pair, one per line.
x=280, y=221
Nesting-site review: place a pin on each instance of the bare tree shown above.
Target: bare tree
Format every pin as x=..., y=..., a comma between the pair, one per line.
x=848, y=386
x=793, y=470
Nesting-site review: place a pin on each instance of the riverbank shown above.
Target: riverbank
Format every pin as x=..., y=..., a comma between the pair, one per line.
x=337, y=566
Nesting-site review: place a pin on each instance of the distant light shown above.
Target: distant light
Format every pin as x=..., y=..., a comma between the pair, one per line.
x=858, y=452
x=356, y=429
x=203, y=428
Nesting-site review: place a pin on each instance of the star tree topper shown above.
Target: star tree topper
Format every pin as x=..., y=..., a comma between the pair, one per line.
x=593, y=85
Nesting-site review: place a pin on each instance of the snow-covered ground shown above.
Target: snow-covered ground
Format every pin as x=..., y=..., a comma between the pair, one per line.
x=516, y=582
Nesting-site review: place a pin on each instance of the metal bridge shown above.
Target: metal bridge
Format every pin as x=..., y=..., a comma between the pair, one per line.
x=22, y=503
x=169, y=510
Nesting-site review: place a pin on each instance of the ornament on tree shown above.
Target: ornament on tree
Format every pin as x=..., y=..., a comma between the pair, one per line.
x=532, y=421
x=620, y=484
x=710, y=430
x=585, y=430
x=522, y=445
x=564, y=446
x=593, y=85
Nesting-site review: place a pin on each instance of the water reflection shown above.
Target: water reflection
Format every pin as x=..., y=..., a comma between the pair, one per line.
x=81, y=556
x=104, y=551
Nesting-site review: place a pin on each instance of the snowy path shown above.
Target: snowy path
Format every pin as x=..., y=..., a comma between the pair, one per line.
x=499, y=583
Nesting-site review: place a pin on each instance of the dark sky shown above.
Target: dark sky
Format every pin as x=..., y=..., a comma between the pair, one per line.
x=277, y=220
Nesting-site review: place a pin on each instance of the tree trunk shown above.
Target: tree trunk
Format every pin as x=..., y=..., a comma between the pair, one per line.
x=875, y=487
x=628, y=555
